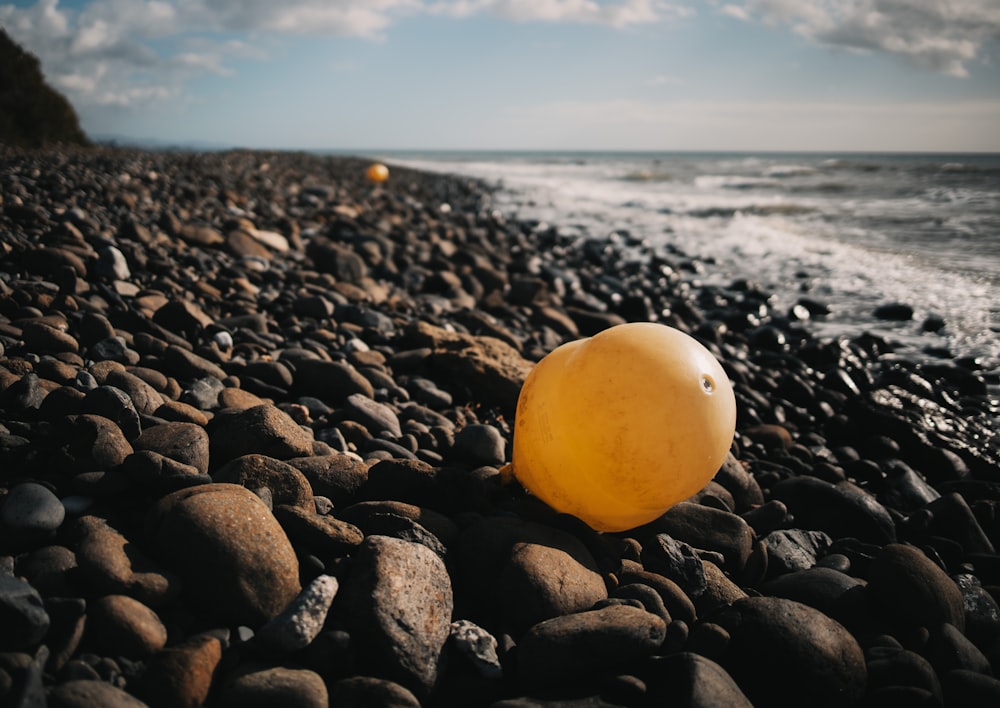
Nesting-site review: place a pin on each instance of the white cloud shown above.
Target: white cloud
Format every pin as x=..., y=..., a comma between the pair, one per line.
x=614, y=14
x=106, y=53
x=737, y=11
x=945, y=36
x=664, y=80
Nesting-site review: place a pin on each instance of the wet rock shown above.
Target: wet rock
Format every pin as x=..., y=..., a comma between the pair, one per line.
x=905, y=490
x=397, y=604
x=235, y=559
x=952, y=518
x=894, y=311
x=982, y=613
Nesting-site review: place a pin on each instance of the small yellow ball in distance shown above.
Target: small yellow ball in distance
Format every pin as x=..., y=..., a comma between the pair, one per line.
x=377, y=172
x=617, y=428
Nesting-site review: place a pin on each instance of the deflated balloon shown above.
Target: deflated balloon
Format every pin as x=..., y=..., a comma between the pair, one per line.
x=617, y=428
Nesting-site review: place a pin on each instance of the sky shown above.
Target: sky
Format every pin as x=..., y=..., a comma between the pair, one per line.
x=752, y=75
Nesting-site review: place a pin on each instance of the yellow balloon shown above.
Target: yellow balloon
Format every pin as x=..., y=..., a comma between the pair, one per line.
x=617, y=428
x=377, y=172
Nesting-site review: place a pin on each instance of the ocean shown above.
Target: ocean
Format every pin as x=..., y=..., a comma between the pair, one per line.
x=854, y=231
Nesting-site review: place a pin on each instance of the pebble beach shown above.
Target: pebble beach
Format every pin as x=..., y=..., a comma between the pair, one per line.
x=254, y=410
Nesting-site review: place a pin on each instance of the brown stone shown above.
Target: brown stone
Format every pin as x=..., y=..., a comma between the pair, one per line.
x=236, y=561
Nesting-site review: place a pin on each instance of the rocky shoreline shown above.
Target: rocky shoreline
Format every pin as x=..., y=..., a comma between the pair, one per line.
x=253, y=410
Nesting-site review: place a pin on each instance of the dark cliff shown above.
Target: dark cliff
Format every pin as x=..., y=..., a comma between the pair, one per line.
x=32, y=113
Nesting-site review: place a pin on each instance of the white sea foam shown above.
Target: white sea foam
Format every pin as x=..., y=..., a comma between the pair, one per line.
x=895, y=229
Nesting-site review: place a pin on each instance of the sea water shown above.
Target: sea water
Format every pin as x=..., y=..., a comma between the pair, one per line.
x=854, y=231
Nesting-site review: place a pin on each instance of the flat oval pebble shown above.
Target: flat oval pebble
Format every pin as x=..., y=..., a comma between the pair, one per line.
x=234, y=558
x=31, y=508
x=376, y=417
x=119, y=625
